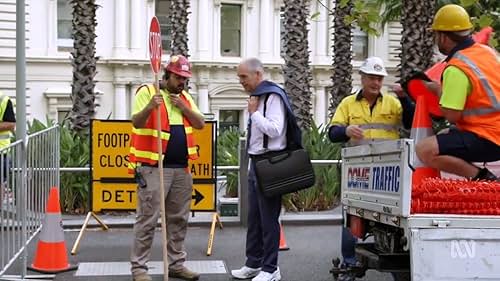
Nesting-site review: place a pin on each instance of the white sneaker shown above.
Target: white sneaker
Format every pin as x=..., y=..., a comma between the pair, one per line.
x=266, y=276
x=245, y=272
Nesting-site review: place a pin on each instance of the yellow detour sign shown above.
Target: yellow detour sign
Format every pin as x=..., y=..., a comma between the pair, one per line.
x=122, y=196
x=114, y=196
x=203, y=197
x=114, y=189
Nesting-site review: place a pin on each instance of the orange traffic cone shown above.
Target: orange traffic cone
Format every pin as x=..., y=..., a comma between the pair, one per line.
x=283, y=245
x=51, y=256
x=421, y=128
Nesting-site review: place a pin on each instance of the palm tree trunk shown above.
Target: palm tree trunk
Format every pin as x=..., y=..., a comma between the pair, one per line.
x=296, y=70
x=179, y=20
x=84, y=63
x=417, y=40
x=342, y=54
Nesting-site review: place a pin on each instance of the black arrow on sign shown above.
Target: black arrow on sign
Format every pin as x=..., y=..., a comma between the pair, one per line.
x=197, y=197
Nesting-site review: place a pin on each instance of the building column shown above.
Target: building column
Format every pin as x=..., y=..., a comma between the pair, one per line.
x=138, y=27
x=203, y=102
x=120, y=102
x=320, y=105
x=120, y=46
x=265, y=39
x=203, y=30
x=53, y=109
x=321, y=34
x=52, y=28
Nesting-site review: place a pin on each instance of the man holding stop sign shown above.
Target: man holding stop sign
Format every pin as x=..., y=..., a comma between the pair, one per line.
x=160, y=163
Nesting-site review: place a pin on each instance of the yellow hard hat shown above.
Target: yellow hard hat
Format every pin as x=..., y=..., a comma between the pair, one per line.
x=451, y=17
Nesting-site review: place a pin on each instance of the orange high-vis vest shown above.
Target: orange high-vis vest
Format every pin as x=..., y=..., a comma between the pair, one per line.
x=481, y=114
x=144, y=141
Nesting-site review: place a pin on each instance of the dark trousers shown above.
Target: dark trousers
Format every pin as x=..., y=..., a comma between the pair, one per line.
x=348, y=246
x=263, y=234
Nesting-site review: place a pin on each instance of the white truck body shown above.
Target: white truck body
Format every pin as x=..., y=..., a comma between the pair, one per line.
x=376, y=185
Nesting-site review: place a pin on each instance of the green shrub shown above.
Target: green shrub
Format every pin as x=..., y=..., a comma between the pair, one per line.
x=228, y=155
x=325, y=193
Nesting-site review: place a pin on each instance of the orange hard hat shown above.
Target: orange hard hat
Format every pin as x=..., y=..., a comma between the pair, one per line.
x=179, y=65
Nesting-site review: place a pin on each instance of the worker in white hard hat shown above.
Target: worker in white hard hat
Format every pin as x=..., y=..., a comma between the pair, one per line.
x=368, y=114
x=365, y=116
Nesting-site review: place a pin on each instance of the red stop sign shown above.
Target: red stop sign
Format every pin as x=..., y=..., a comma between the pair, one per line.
x=155, y=45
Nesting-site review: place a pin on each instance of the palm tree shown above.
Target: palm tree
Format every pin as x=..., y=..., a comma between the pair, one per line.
x=417, y=40
x=296, y=70
x=342, y=54
x=179, y=20
x=84, y=63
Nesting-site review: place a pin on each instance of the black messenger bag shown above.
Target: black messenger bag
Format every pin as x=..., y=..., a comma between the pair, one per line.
x=284, y=171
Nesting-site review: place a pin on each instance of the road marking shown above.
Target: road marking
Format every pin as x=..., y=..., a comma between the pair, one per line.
x=155, y=268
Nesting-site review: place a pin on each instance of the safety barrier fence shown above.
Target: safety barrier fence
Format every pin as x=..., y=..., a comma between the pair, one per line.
x=28, y=169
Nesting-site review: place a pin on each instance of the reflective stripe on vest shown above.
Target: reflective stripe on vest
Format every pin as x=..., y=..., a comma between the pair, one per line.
x=150, y=132
x=495, y=105
x=379, y=126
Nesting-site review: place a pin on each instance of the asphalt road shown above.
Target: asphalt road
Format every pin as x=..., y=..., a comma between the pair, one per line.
x=312, y=248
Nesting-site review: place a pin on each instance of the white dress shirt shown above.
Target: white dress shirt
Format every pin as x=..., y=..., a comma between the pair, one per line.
x=273, y=125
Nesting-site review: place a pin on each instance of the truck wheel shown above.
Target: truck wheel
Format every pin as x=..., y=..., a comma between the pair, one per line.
x=401, y=276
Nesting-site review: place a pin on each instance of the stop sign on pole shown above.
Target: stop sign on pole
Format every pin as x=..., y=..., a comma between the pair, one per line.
x=155, y=45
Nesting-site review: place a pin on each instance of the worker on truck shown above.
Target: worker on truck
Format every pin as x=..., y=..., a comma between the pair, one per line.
x=469, y=99
x=366, y=116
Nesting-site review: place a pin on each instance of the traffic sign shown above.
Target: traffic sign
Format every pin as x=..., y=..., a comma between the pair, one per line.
x=155, y=48
x=203, y=198
x=110, y=147
x=113, y=196
x=122, y=196
x=202, y=168
x=114, y=189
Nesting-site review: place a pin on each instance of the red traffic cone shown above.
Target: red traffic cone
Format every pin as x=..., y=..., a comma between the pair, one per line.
x=283, y=245
x=51, y=256
x=421, y=128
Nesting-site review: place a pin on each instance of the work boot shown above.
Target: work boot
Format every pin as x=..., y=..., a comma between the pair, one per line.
x=485, y=174
x=142, y=277
x=184, y=273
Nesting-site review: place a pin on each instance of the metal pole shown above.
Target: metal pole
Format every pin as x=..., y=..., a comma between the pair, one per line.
x=21, y=113
x=20, y=70
x=243, y=186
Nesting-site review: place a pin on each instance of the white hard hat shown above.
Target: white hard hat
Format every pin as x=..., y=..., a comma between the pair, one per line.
x=374, y=66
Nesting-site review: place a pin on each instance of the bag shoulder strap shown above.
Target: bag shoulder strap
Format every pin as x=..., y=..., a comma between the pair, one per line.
x=266, y=138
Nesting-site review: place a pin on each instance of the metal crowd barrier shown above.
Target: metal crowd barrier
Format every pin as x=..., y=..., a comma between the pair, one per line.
x=28, y=169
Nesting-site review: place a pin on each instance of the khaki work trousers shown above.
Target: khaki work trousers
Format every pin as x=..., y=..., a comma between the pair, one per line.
x=178, y=184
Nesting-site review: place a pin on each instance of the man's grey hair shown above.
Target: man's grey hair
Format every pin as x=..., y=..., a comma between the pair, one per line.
x=254, y=64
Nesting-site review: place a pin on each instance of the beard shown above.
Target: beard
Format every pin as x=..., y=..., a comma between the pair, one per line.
x=175, y=89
